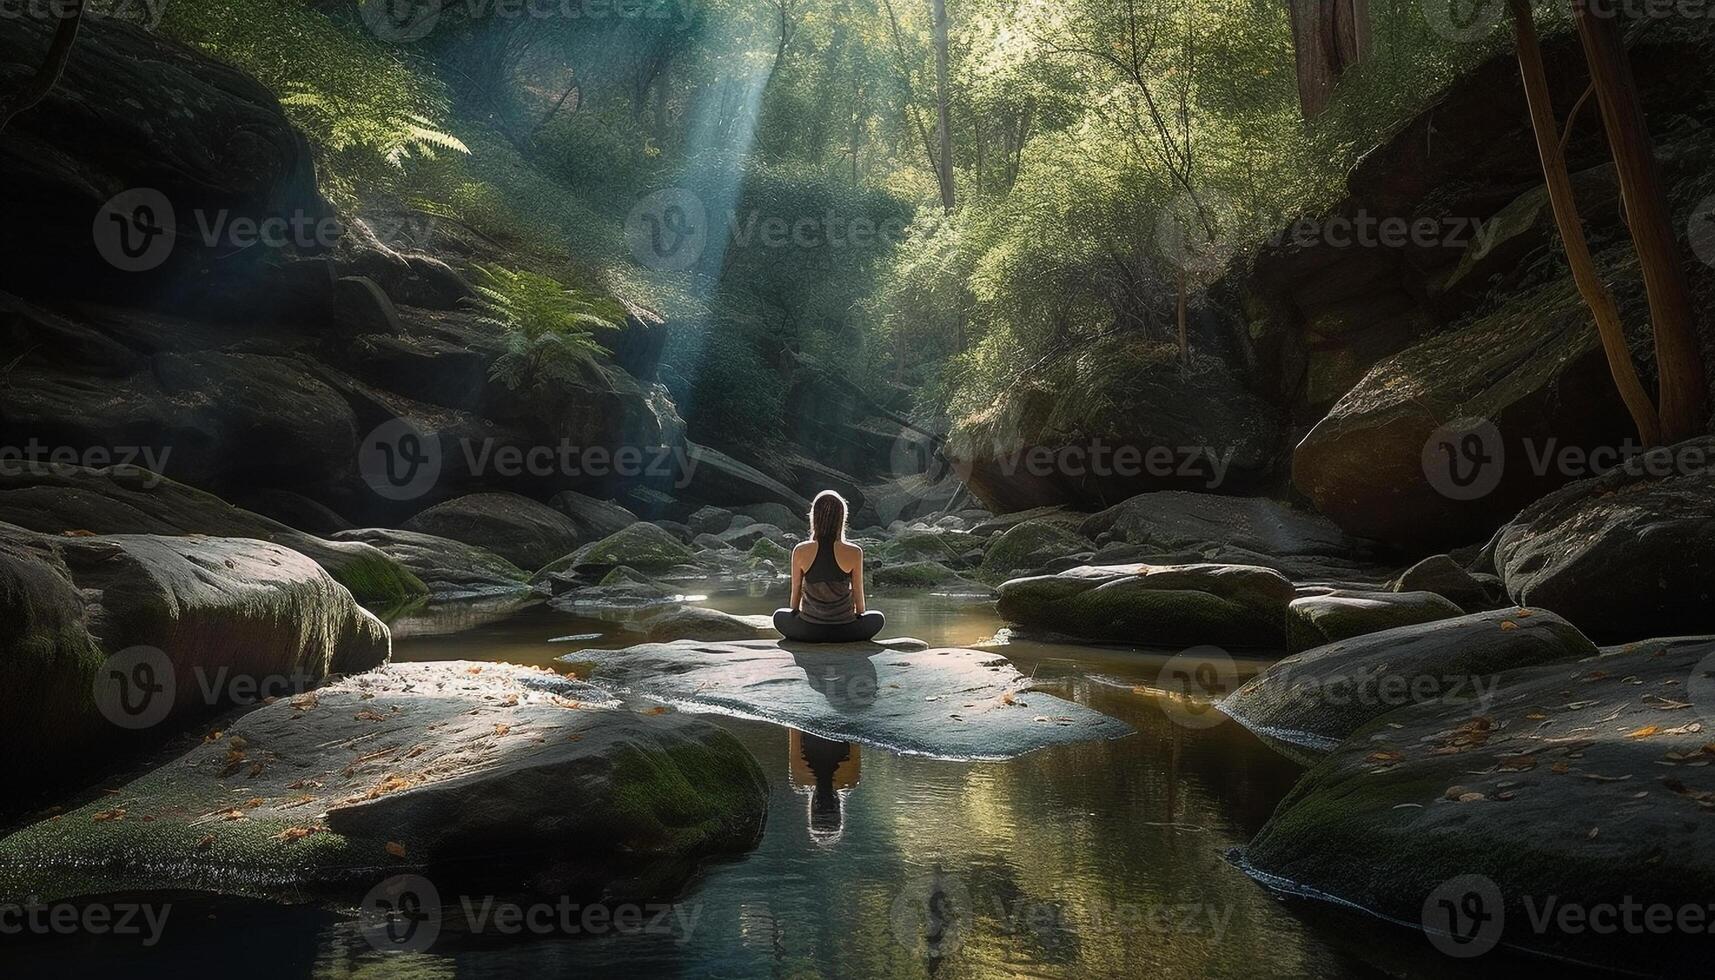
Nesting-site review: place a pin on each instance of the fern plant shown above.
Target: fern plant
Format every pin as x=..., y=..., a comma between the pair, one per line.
x=395, y=137
x=550, y=329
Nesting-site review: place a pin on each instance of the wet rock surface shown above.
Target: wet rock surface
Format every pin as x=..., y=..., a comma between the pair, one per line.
x=1585, y=784
x=895, y=694
x=1313, y=700
x=468, y=768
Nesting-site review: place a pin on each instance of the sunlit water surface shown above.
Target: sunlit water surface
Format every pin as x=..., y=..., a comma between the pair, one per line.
x=1092, y=860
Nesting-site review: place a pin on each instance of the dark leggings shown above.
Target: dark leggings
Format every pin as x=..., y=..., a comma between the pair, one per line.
x=793, y=627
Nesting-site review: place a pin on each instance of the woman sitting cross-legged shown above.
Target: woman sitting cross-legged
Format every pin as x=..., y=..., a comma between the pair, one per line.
x=827, y=582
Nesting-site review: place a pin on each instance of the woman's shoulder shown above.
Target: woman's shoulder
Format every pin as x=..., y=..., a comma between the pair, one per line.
x=846, y=549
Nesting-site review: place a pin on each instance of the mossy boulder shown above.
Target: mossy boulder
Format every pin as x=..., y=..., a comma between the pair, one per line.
x=1445, y=577
x=949, y=547
x=128, y=500
x=918, y=575
x=642, y=546
x=1627, y=554
x=1313, y=621
x=1155, y=605
x=1368, y=463
x=454, y=768
x=700, y=623
x=110, y=635
x=451, y=569
x=1314, y=700
x=524, y=532
x=1103, y=424
x=1580, y=784
x=765, y=550
x=1029, y=546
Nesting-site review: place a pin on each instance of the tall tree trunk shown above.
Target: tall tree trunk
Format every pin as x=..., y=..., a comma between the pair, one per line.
x=944, y=127
x=1682, y=393
x=1328, y=37
x=1560, y=196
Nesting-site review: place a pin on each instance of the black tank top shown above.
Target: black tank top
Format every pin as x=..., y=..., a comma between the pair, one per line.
x=827, y=595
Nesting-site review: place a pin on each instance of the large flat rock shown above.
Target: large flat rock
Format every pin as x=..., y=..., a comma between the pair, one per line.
x=947, y=703
x=1581, y=786
x=448, y=768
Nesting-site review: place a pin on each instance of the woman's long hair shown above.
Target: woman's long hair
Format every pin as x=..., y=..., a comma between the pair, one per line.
x=828, y=517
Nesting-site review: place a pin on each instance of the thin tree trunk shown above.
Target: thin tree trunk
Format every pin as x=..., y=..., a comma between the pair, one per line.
x=25, y=93
x=1560, y=196
x=944, y=125
x=1679, y=365
x=1328, y=37
x=1184, y=334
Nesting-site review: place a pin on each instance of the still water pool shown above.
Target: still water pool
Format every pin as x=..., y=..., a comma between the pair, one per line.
x=1103, y=859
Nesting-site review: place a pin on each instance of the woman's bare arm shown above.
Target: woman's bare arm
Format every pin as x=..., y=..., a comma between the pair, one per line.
x=797, y=580
x=857, y=581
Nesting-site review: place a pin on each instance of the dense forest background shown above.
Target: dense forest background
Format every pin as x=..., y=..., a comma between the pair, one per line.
x=1106, y=156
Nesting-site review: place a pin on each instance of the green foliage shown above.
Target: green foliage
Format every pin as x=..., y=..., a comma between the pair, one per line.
x=550, y=329
x=366, y=111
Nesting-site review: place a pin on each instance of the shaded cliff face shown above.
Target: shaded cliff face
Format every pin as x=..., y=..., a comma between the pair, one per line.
x=186, y=300
x=1459, y=187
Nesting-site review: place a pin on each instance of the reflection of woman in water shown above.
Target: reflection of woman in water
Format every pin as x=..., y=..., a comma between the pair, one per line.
x=827, y=604
x=829, y=770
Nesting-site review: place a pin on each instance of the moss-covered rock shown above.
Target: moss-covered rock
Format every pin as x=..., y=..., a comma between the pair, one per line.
x=1313, y=621
x=642, y=546
x=190, y=618
x=524, y=532
x=1627, y=554
x=1364, y=464
x=1314, y=700
x=919, y=575
x=451, y=569
x=471, y=768
x=128, y=500
x=765, y=550
x=1580, y=784
x=1445, y=577
x=1155, y=605
x=1028, y=546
